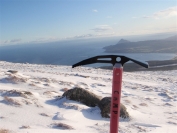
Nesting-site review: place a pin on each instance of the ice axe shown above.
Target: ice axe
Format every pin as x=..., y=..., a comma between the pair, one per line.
x=117, y=61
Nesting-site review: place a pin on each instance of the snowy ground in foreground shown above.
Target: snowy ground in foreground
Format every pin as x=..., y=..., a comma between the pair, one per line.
x=29, y=103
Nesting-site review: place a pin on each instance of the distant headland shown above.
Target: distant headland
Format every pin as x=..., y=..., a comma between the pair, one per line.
x=167, y=45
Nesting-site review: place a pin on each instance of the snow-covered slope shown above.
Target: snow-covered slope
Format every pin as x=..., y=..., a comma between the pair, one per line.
x=29, y=100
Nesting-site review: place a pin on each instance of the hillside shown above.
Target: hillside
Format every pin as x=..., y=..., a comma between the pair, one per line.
x=168, y=45
x=30, y=100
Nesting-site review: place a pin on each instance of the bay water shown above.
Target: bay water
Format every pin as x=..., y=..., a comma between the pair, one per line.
x=68, y=52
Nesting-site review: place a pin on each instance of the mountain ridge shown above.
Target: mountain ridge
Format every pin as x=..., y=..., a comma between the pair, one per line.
x=167, y=45
x=123, y=41
x=172, y=38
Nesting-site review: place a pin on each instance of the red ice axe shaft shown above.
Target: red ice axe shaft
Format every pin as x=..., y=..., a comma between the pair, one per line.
x=116, y=82
x=115, y=99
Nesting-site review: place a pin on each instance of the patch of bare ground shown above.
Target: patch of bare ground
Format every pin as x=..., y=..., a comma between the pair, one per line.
x=32, y=84
x=62, y=126
x=24, y=94
x=44, y=114
x=32, y=101
x=35, y=82
x=27, y=102
x=15, y=79
x=64, y=89
x=2, y=117
x=140, y=129
x=134, y=106
x=4, y=131
x=46, y=84
x=53, y=80
x=173, y=117
x=38, y=105
x=127, y=101
x=66, y=83
x=168, y=112
x=167, y=104
x=27, y=98
x=171, y=122
x=82, y=83
x=150, y=99
x=143, y=104
x=44, y=80
x=24, y=127
x=50, y=93
x=83, y=76
x=11, y=101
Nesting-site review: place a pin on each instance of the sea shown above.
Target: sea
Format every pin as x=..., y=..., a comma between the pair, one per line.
x=69, y=52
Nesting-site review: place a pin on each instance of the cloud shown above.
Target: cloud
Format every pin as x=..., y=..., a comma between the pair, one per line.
x=11, y=41
x=169, y=12
x=5, y=42
x=149, y=30
x=105, y=34
x=102, y=28
x=15, y=40
x=94, y=10
x=44, y=39
x=84, y=36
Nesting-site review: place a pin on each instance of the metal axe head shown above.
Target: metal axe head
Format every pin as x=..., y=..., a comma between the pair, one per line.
x=100, y=59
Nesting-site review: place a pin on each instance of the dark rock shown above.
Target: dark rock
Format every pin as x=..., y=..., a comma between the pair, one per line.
x=12, y=71
x=92, y=100
x=83, y=96
x=105, y=105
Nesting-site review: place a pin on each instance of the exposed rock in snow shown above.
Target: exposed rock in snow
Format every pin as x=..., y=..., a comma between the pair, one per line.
x=105, y=105
x=83, y=96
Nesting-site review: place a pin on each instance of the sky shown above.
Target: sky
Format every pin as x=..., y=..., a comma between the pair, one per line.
x=25, y=21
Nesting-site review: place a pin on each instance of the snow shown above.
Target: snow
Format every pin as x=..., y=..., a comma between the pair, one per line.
x=30, y=99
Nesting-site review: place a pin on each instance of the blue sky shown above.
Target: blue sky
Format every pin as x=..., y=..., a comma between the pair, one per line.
x=24, y=21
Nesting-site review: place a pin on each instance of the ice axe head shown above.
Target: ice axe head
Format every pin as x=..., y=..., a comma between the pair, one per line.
x=113, y=60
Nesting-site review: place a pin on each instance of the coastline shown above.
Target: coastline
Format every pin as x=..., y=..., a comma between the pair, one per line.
x=175, y=58
x=164, y=65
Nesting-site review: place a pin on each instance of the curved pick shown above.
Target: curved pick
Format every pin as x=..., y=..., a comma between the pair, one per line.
x=100, y=59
